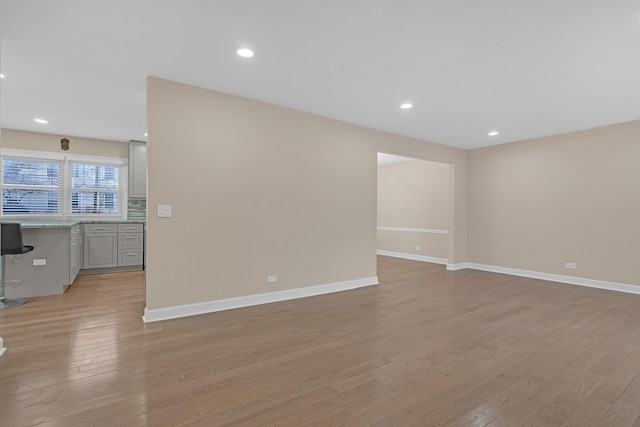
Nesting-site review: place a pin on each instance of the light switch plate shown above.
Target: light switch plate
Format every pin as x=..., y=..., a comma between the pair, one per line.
x=164, y=211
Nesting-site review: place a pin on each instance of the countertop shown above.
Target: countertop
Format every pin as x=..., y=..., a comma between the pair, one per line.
x=66, y=223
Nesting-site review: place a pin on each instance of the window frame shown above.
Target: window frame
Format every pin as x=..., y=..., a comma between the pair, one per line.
x=65, y=181
x=59, y=188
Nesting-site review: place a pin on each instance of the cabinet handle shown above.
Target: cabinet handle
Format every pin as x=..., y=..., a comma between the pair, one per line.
x=99, y=228
x=130, y=237
x=13, y=282
x=131, y=254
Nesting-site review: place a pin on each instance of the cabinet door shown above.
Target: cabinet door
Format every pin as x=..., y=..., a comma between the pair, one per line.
x=137, y=169
x=100, y=250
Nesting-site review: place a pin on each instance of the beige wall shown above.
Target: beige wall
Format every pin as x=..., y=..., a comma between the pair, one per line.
x=414, y=194
x=537, y=204
x=258, y=189
x=47, y=142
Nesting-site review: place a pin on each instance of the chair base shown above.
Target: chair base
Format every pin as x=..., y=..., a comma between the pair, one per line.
x=8, y=303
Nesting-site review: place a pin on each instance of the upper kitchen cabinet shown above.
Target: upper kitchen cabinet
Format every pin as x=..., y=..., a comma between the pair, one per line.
x=137, y=170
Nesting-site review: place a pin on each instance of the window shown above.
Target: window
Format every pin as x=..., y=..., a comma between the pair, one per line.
x=31, y=187
x=48, y=184
x=94, y=189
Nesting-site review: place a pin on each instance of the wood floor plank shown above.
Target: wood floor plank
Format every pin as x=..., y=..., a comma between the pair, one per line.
x=588, y=414
x=425, y=347
x=620, y=415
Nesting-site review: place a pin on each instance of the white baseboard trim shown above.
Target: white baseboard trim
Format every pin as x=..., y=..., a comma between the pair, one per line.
x=2, y=349
x=166, y=313
x=413, y=257
x=591, y=283
x=458, y=266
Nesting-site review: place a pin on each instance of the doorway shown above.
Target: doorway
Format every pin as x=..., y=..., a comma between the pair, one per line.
x=413, y=208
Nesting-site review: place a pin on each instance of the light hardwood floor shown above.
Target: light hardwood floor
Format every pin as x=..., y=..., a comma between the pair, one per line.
x=425, y=347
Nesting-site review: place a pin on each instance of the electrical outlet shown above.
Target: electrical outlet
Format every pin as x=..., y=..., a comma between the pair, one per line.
x=272, y=278
x=39, y=262
x=418, y=248
x=570, y=265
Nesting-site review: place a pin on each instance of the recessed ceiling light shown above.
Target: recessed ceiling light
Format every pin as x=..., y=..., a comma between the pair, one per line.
x=245, y=53
x=406, y=106
x=493, y=133
x=1, y=76
x=43, y=121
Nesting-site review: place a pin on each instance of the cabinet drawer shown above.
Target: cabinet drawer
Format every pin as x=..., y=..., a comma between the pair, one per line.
x=130, y=228
x=100, y=228
x=129, y=240
x=129, y=257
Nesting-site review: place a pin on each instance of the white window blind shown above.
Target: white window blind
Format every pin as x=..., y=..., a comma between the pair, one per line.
x=32, y=186
x=95, y=189
x=47, y=184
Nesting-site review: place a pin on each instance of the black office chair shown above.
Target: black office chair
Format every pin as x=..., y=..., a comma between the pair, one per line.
x=11, y=236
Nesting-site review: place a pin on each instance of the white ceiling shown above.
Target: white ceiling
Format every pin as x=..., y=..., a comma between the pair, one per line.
x=526, y=68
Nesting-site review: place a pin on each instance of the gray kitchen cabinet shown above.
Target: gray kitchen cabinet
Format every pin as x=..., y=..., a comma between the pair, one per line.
x=137, y=170
x=100, y=246
x=43, y=271
x=75, y=252
x=62, y=251
x=130, y=245
x=113, y=245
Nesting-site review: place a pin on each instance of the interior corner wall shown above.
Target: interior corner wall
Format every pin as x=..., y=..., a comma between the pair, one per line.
x=259, y=190
x=538, y=204
x=413, y=208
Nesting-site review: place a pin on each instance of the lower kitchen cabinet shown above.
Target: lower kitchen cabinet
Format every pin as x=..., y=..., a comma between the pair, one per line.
x=130, y=245
x=45, y=270
x=62, y=251
x=112, y=245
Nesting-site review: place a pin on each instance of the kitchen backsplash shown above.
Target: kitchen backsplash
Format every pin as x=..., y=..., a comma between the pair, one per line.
x=137, y=209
